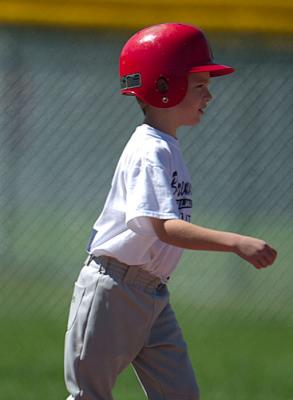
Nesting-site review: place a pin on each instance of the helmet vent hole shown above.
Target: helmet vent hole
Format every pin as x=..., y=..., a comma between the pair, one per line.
x=162, y=85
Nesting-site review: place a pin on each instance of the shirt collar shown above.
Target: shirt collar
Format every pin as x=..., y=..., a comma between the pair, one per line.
x=159, y=134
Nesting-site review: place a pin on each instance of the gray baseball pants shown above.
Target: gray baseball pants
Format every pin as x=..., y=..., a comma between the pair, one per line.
x=121, y=315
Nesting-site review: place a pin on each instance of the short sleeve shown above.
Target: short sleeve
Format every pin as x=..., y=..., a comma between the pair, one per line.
x=148, y=194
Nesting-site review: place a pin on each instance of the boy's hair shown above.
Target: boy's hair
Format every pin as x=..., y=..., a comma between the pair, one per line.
x=155, y=63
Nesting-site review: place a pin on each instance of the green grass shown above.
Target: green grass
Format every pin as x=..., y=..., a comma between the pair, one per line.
x=243, y=359
x=31, y=359
x=237, y=321
x=234, y=358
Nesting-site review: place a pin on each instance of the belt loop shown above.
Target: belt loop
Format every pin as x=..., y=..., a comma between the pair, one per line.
x=103, y=264
x=88, y=260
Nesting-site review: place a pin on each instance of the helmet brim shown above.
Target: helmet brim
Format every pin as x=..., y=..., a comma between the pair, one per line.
x=214, y=69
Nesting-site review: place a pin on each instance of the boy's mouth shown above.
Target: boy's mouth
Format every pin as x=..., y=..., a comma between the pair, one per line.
x=201, y=110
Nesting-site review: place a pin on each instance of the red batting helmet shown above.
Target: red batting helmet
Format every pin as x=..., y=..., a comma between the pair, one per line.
x=156, y=61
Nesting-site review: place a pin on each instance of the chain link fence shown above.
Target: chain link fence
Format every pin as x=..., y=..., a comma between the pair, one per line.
x=63, y=127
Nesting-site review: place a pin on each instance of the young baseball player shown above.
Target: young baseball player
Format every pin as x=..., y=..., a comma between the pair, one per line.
x=120, y=312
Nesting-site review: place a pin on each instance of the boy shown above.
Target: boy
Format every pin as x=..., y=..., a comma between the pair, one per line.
x=120, y=313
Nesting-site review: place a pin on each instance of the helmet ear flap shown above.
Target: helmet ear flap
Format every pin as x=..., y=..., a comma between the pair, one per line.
x=162, y=86
x=169, y=91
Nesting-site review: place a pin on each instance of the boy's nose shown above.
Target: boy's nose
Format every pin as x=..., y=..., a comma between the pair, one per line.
x=208, y=96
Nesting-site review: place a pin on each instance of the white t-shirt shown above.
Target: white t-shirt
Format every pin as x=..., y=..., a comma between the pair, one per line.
x=150, y=180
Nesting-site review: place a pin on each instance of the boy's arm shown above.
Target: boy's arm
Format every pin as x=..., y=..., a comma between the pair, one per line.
x=183, y=234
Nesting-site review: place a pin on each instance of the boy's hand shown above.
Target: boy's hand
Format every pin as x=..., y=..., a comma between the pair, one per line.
x=255, y=251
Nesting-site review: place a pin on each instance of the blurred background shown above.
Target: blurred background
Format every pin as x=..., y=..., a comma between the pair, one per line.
x=63, y=126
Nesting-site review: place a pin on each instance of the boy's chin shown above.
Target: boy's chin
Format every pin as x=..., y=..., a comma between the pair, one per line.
x=194, y=122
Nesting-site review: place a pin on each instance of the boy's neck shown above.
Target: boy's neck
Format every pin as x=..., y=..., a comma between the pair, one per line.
x=162, y=124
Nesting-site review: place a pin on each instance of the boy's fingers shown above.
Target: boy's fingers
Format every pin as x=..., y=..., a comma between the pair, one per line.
x=268, y=260
x=263, y=261
x=270, y=250
x=273, y=253
x=270, y=254
x=257, y=264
